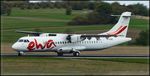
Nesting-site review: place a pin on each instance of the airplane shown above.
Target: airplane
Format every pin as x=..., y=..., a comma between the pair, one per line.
x=63, y=43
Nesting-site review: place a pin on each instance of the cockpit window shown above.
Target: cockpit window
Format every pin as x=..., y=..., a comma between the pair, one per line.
x=20, y=40
x=23, y=40
x=26, y=40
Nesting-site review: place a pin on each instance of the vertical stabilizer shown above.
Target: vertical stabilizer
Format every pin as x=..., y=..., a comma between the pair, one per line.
x=120, y=29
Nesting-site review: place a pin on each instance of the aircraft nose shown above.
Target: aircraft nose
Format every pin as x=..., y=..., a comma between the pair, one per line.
x=14, y=46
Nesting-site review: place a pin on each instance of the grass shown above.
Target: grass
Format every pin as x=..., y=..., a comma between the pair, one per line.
x=50, y=20
x=47, y=65
x=44, y=13
x=139, y=24
x=126, y=60
x=9, y=23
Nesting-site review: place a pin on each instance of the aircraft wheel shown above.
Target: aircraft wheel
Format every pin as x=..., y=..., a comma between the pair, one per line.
x=76, y=54
x=19, y=54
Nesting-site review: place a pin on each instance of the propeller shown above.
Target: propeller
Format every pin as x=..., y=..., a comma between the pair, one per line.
x=89, y=38
x=82, y=38
x=69, y=32
x=68, y=38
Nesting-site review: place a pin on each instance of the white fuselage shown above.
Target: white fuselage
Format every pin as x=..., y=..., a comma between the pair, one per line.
x=74, y=43
x=55, y=43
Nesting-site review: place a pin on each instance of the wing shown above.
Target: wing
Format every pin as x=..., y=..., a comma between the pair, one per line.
x=29, y=32
x=95, y=35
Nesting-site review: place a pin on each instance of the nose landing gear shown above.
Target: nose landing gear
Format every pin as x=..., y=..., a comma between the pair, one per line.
x=20, y=53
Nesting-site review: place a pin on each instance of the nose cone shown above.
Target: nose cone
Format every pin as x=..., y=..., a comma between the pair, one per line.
x=15, y=46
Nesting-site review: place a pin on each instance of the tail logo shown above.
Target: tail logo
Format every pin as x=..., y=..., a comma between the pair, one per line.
x=118, y=31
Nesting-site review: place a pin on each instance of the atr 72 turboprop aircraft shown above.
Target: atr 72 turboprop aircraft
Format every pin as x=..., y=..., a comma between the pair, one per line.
x=73, y=43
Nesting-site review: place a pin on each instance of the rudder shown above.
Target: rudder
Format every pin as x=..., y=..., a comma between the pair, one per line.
x=120, y=29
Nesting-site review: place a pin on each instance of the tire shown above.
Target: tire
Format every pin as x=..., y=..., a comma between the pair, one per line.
x=19, y=54
x=76, y=54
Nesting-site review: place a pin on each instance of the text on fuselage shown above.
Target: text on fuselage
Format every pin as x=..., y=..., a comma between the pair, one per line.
x=35, y=45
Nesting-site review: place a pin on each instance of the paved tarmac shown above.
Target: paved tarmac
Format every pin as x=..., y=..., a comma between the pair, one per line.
x=81, y=56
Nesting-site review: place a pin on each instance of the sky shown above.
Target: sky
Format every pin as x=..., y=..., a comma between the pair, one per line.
x=145, y=3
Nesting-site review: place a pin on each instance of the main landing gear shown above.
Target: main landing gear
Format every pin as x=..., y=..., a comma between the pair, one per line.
x=75, y=53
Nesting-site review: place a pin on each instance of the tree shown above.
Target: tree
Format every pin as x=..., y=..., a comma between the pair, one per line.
x=77, y=5
x=23, y=6
x=58, y=5
x=117, y=9
x=139, y=9
x=3, y=8
x=101, y=15
x=6, y=8
x=103, y=8
x=68, y=8
x=143, y=38
x=51, y=5
x=91, y=5
x=9, y=10
x=104, y=11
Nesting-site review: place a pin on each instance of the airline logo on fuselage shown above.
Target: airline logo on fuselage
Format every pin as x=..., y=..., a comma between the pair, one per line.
x=35, y=45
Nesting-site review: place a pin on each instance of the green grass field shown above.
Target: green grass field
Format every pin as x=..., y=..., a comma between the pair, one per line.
x=50, y=20
x=47, y=65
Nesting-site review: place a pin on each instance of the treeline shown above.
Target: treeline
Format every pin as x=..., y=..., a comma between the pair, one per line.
x=138, y=9
x=101, y=13
x=143, y=39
